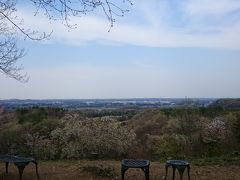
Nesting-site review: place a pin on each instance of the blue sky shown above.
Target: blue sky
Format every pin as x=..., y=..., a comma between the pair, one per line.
x=161, y=48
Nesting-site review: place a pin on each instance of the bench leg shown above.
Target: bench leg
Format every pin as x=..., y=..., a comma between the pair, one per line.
x=6, y=164
x=188, y=169
x=36, y=164
x=123, y=170
x=166, y=168
x=144, y=169
x=146, y=173
x=20, y=170
x=21, y=167
x=181, y=171
x=173, y=177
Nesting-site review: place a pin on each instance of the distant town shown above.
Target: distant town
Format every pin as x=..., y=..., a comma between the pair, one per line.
x=106, y=103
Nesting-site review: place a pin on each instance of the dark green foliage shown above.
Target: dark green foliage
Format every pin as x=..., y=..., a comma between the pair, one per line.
x=46, y=126
x=13, y=135
x=209, y=112
x=227, y=103
x=33, y=116
x=12, y=141
x=236, y=127
x=120, y=114
x=167, y=146
x=212, y=112
x=37, y=114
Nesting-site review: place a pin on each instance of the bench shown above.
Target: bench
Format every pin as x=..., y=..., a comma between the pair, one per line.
x=20, y=162
x=180, y=165
x=131, y=163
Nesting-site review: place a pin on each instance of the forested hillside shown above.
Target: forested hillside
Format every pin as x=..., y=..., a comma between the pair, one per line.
x=154, y=133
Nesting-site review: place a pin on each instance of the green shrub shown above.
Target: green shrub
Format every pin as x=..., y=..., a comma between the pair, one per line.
x=167, y=146
x=100, y=170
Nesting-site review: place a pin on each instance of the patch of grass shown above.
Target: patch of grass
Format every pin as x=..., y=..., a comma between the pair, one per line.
x=222, y=160
x=100, y=170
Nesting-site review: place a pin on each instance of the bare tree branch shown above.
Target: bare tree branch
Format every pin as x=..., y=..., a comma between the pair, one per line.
x=12, y=27
x=65, y=9
x=9, y=55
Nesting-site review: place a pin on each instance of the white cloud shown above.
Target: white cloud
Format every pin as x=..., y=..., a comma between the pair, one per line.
x=155, y=31
x=215, y=7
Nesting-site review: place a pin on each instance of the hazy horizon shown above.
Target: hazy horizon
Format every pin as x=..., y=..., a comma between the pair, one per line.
x=137, y=98
x=160, y=49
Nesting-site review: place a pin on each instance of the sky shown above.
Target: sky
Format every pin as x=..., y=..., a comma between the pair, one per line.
x=159, y=49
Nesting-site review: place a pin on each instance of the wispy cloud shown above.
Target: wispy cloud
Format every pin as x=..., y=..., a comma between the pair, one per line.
x=214, y=7
x=189, y=23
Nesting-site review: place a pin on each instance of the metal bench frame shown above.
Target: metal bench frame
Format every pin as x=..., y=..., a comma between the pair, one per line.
x=180, y=165
x=19, y=162
x=130, y=163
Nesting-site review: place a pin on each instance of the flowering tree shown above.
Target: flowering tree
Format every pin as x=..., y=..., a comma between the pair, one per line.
x=79, y=138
